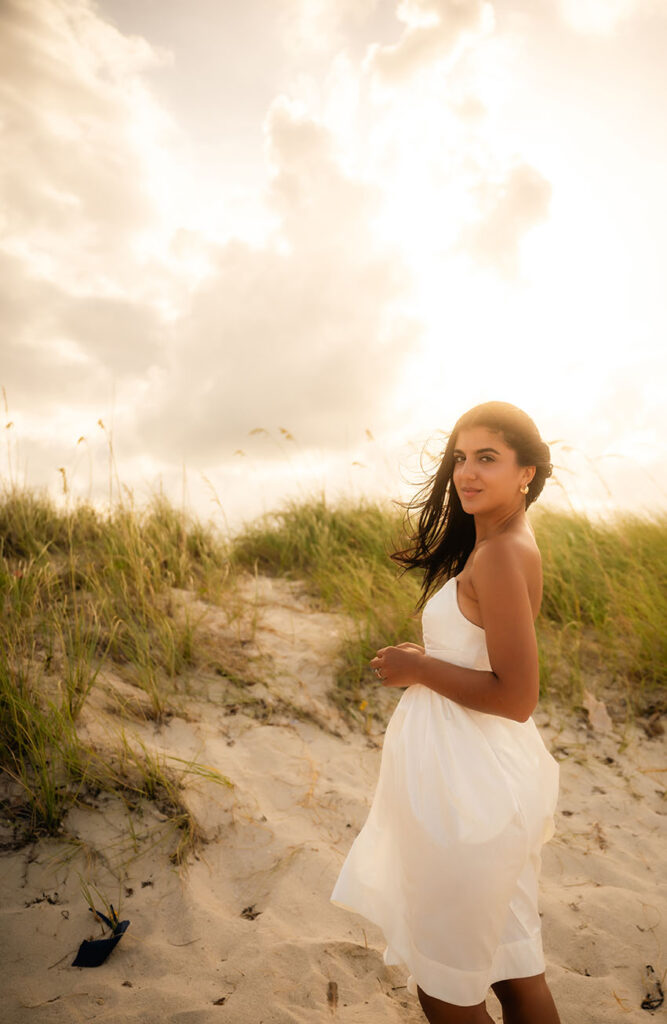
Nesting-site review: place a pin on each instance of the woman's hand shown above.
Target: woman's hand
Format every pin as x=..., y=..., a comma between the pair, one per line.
x=398, y=666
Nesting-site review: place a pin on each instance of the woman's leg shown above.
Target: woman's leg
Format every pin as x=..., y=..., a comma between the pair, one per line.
x=439, y=1012
x=526, y=1000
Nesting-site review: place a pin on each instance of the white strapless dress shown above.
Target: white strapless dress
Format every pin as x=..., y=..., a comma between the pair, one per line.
x=448, y=860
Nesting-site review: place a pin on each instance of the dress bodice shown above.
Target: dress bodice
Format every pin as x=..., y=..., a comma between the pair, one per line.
x=449, y=635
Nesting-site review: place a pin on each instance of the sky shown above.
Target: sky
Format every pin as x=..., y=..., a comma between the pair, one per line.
x=271, y=248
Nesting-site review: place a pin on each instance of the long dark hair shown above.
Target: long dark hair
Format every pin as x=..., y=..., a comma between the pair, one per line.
x=444, y=535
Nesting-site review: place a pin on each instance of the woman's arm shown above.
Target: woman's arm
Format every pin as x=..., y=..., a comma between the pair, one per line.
x=511, y=689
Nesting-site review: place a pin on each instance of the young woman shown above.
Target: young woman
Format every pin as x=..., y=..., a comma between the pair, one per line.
x=447, y=863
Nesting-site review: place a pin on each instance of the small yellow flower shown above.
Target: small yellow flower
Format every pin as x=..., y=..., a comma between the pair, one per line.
x=363, y=705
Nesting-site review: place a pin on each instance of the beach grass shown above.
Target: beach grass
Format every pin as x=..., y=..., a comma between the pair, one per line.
x=604, y=609
x=83, y=592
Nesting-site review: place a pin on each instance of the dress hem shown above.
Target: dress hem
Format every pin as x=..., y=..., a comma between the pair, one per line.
x=521, y=959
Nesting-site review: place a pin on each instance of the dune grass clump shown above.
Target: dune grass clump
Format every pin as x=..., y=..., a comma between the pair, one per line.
x=604, y=609
x=41, y=754
x=80, y=590
x=603, y=622
x=92, y=586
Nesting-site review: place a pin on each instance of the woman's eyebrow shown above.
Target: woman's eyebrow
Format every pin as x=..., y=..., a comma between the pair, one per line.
x=480, y=451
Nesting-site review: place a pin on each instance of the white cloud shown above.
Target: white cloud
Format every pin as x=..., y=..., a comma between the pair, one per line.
x=434, y=29
x=301, y=333
x=58, y=348
x=323, y=25
x=79, y=129
x=80, y=306
x=509, y=208
x=603, y=17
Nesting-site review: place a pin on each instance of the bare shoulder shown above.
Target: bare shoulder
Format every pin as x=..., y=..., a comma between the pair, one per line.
x=512, y=556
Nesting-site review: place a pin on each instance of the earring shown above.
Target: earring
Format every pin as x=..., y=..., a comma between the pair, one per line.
x=524, y=490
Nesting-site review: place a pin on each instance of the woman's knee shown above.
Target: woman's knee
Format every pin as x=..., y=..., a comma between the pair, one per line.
x=439, y=1012
x=515, y=991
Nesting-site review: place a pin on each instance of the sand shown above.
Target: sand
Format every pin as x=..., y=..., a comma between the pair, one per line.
x=246, y=934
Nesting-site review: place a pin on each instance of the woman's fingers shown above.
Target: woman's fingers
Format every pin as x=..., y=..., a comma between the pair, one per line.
x=375, y=662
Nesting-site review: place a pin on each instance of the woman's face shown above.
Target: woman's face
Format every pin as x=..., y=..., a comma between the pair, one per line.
x=487, y=476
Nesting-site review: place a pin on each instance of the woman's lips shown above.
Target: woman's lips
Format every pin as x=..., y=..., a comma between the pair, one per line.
x=469, y=492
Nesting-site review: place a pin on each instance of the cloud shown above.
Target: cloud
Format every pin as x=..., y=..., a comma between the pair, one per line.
x=78, y=130
x=599, y=17
x=323, y=25
x=58, y=348
x=434, y=29
x=302, y=332
x=77, y=299
x=509, y=208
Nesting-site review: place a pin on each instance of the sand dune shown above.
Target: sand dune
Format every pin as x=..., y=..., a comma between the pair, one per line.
x=247, y=934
